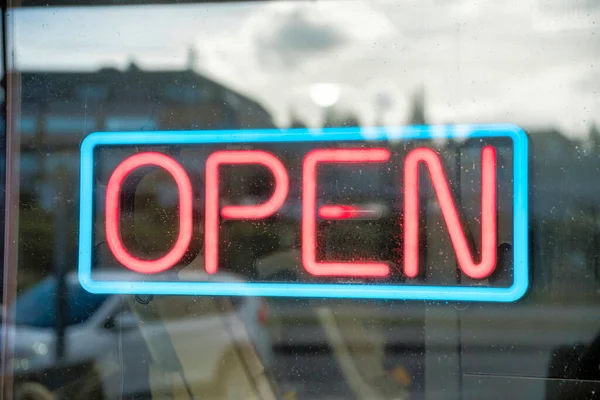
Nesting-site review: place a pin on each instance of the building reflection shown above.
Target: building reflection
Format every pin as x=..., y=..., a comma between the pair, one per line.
x=60, y=108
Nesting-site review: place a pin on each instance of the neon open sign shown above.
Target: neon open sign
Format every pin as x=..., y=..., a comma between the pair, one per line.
x=427, y=170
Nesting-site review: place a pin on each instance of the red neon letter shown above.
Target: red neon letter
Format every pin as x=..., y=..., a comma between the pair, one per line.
x=442, y=191
x=309, y=213
x=113, y=194
x=211, y=233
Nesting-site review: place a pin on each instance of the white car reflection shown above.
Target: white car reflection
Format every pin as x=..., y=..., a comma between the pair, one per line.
x=193, y=336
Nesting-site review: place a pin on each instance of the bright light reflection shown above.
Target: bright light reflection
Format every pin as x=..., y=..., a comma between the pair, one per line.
x=325, y=94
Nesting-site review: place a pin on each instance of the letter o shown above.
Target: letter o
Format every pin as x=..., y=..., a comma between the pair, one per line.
x=113, y=194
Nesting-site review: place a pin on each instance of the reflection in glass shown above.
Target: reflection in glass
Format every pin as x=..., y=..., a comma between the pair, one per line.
x=306, y=64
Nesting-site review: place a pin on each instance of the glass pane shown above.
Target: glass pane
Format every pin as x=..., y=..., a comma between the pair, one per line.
x=388, y=81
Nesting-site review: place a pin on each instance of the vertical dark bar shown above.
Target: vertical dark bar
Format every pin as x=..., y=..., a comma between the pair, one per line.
x=6, y=372
x=10, y=141
x=3, y=133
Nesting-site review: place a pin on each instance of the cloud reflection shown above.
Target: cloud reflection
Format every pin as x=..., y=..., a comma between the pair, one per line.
x=477, y=62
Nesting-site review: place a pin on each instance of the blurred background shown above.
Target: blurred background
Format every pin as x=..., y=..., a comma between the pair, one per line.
x=245, y=65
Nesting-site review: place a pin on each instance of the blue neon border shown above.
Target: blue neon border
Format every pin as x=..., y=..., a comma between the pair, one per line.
x=355, y=291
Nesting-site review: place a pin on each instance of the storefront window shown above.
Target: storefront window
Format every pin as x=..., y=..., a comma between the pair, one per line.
x=369, y=200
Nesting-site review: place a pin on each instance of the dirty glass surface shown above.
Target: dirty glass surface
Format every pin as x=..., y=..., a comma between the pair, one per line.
x=306, y=64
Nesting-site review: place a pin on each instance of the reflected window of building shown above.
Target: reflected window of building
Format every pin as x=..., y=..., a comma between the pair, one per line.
x=28, y=125
x=92, y=92
x=129, y=123
x=185, y=94
x=28, y=164
x=67, y=162
x=28, y=169
x=57, y=125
